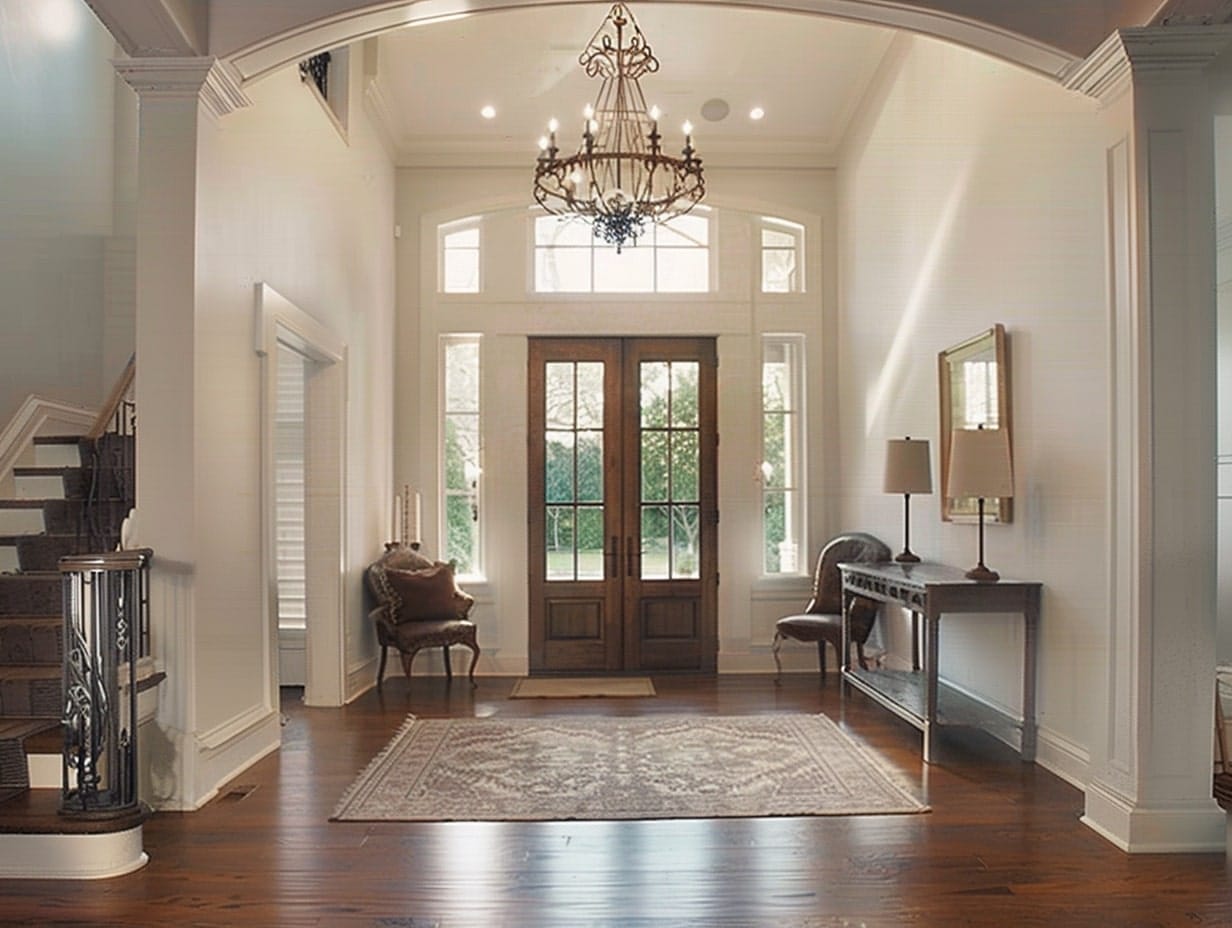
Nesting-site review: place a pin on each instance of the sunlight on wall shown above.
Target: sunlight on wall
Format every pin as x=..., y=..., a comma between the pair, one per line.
x=886, y=384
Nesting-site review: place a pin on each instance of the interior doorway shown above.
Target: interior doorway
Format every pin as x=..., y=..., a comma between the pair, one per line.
x=288, y=338
x=623, y=505
x=289, y=517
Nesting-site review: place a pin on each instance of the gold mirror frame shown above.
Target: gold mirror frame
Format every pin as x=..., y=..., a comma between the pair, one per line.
x=983, y=363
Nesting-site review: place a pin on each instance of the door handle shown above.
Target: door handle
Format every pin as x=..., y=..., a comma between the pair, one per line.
x=629, y=556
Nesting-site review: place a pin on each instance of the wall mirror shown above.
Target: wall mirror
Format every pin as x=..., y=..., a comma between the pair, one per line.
x=975, y=391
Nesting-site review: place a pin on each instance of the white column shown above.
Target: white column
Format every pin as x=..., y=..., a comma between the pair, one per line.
x=176, y=94
x=1149, y=787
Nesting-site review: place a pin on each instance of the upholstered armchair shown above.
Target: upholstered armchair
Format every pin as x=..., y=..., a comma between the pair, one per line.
x=822, y=619
x=418, y=605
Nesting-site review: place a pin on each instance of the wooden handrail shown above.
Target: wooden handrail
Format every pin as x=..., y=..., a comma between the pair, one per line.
x=122, y=385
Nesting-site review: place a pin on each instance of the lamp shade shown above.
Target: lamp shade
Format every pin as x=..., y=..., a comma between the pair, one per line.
x=907, y=468
x=980, y=464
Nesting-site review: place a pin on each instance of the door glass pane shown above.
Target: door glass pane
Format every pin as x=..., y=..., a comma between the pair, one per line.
x=558, y=395
x=655, y=534
x=654, y=386
x=685, y=464
x=590, y=543
x=684, y=394
x=590, y=395
x=686, y=531
x=558, y=467
x=590, y=467
x=654, y=466
x=558, y=537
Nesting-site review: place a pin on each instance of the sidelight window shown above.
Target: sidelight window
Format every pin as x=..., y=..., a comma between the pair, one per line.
x=783, y=459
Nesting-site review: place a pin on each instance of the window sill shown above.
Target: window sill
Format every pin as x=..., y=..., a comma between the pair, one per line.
x=780, y=586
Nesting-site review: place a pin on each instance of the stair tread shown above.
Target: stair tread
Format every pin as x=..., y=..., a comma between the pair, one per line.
x=44, y=470
x=25, y=503
x=25, y=728
x=31, y=575
x=37, y=811
x=57, y=439
x=31, y=671
x=30, y=619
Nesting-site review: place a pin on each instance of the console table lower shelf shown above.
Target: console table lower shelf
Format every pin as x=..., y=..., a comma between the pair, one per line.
x=902, y=692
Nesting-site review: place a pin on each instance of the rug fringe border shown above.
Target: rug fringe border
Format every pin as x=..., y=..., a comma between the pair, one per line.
x=362, y=776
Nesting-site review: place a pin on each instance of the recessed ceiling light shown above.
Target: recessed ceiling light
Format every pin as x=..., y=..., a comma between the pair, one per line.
x=756, y=113
x=488, y=112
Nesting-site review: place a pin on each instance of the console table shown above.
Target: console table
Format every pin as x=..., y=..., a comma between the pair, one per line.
x=931, y=591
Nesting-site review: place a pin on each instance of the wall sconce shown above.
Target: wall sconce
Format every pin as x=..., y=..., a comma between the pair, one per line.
x=907, y=471
x=980, y=467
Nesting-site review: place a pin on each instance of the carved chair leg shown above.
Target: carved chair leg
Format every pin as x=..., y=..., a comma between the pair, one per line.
x=380, y=670
x=448, y=667
x=474, y=646
x=407, y=657
x=778, y=662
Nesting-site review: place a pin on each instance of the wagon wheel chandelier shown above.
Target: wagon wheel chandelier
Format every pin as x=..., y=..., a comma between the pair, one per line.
x=619, y=180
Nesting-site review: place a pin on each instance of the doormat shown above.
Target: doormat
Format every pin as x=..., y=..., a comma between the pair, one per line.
x=650, y=767
x=582, y=687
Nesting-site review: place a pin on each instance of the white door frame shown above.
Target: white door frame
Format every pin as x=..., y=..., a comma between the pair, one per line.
x=278, y=320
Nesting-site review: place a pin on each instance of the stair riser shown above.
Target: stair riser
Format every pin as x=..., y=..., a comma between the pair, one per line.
x=43, y=552
x=111, y=484
x=40, y=487
x=21, y=521
x=63, y=517
x=24, y=643
x=25, y=595
x=56, y=456
x=31, y=699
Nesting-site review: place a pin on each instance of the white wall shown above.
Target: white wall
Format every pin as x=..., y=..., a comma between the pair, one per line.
x=505, y=313
x=971, y=194
x=63, y=220
x=284, y=200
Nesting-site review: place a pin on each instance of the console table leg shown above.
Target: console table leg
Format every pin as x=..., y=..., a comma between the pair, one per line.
x=1030, y=625
x=932, y=625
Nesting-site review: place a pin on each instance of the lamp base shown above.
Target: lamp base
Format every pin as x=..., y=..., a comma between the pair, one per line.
x=907, y=557
x=982, y=574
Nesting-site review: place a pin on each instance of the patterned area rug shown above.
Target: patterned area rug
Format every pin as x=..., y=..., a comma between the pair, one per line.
x=651, y=767
x=582, y=687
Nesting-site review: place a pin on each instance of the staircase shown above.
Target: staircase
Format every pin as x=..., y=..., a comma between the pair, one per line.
x=71, y=500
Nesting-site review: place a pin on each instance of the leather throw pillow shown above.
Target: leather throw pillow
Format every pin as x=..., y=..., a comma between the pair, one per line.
x=427, y=595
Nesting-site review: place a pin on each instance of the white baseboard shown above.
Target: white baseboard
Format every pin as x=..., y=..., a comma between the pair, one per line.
x=1179, y=827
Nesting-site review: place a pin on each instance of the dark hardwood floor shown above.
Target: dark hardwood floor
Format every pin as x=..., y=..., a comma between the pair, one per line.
x=1003, y=845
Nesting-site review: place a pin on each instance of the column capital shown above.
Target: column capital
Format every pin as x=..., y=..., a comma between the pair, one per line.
x=1151, y=53
x=209, y=80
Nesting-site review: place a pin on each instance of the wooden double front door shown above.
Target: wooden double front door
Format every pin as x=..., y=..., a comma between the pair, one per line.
x=623, y=504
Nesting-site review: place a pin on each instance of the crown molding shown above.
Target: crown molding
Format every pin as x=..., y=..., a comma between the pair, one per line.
x=213, y=82
x=1157, y=53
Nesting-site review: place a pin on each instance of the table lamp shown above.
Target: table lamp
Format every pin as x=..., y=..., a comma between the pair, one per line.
x=980, y=467
x=907, y=471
